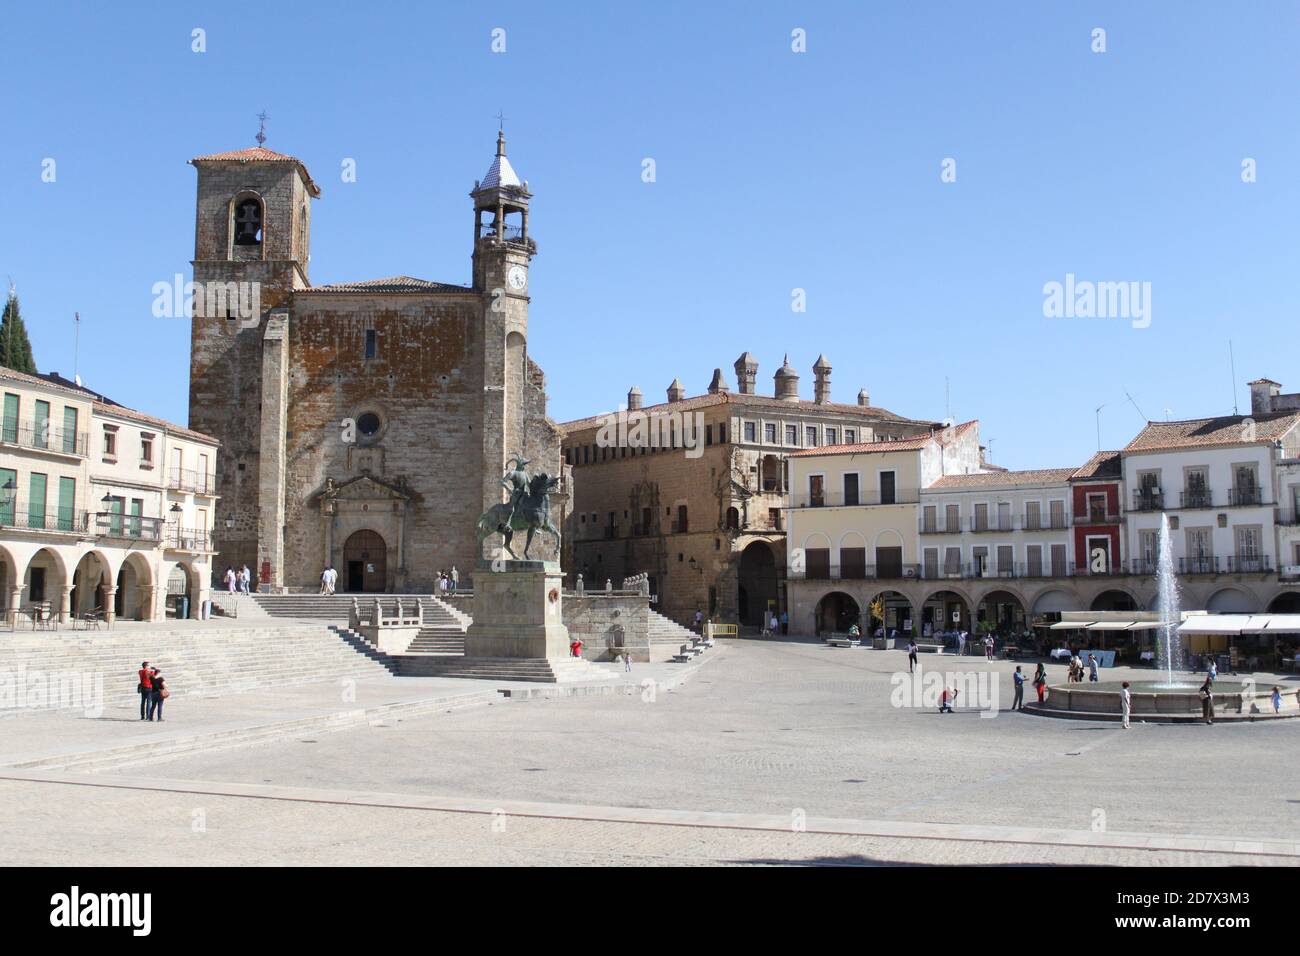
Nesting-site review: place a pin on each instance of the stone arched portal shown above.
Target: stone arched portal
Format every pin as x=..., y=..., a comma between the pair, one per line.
x=365, y=563
x=758, y=584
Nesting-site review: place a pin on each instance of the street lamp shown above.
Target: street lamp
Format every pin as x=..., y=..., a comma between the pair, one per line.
x=230, y=522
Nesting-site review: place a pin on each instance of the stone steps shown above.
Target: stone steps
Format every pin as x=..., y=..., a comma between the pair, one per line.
x=666, y=631
x=213, y=661
x=535, y=670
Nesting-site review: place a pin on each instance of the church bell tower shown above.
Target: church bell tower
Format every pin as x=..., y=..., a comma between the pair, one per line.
x=503, y=250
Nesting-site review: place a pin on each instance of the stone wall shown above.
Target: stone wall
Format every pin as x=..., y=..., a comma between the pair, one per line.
x=603, y=622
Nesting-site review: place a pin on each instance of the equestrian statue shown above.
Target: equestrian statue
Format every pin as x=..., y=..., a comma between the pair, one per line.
x=529, y=508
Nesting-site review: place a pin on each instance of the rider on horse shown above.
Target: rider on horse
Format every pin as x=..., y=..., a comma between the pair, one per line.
x=516, y=479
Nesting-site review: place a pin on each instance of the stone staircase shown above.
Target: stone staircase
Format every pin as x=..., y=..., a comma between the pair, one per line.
x=199, y=658
x=567, y=671
x=666, y=631
x=442, y=629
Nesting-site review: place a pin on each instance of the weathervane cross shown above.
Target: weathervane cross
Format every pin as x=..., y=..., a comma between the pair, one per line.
x=261, y=129
x=501, y=121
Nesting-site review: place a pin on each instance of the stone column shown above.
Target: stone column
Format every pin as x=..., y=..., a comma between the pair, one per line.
x=110, y=596
x=271, y=485
x=65, y=604
x=15, y=602
x=147, y=594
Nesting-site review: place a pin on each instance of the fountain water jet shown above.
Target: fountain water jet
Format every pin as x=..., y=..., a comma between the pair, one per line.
x=1169, y=650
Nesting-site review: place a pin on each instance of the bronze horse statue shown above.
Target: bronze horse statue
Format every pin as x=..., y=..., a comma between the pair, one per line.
x=528, y=510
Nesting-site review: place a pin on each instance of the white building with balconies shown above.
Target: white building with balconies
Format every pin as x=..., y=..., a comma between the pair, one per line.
x=1223, y=484
x=105, y=512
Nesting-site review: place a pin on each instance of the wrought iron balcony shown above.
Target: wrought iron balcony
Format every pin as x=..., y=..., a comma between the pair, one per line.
x=1148, y=501
x=1244, y=497
x=1248, y=564
x=42, y=436
x=1097, y=517
x=197, y=540
x=837, y=499
x=1203, y=565
x=186, y=479
x=20, y=517
x=1197, y=498
x=113, y=524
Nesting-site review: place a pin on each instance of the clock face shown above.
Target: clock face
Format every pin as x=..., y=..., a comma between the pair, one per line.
x=517, y=278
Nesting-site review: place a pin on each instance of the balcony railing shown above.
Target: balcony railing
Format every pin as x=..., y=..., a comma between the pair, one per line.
x=1248, y=564
x=186, y=479
x=1244, y=497
x=1097, y=517
x=1288, y=517
x=974, y=570
x=112, y=524
x=43, y=437
x=189, y=539
x=21, y=518
x=1199, y=498
x=1148, y=501
x=837, y=499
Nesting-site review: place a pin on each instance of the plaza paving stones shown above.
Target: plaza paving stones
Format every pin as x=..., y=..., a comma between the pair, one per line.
x=767, y=738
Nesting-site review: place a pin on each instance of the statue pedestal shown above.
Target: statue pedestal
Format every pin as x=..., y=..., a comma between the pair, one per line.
x=517, y=612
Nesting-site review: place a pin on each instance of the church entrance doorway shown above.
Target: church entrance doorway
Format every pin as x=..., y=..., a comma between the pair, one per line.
x=365, y=562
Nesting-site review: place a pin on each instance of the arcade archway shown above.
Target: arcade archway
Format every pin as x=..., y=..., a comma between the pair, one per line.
x=836, y=613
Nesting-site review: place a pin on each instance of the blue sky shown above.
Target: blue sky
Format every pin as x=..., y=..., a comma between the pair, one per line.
x=775, y=171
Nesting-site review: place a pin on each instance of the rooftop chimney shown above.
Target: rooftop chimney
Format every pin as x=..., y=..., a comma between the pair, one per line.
x=787, y=382
x=822, y=383
x=675, y=391
x=1262, y=393
x=746, y=373
x=719, y=384
x=633, y=398
x=863, y=398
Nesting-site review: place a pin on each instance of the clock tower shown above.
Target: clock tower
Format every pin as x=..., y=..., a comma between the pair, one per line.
x=503, y=250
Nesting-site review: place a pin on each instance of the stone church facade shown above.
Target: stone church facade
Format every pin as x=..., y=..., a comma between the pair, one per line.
x=364, y=425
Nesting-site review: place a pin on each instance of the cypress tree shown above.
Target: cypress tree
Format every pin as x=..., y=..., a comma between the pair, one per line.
x=15, y=349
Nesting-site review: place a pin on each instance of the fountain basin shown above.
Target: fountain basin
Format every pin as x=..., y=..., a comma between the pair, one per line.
x=1152, y=700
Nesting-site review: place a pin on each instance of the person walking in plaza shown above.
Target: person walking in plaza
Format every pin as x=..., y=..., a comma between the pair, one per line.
x=1018, y=702
x=455, y=579
x=158, y=693
x=245, y=576
x=1207, y=700
x=1212, y=671
x=699, y=620
x=1092, y=669
x=1125, y=703
x=961, y=642
x=1040, y=681
x=325, y=580
x=627, y=660
x=946, y=700
x=1277, y=700
x=230, y=579
x=145, y=687
x=988, y=647
x=911, y=655
x=785, y=623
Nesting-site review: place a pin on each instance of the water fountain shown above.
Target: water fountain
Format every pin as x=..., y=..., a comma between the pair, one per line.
x=1161, y=699
x=1169, y=647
